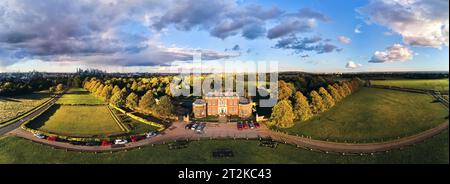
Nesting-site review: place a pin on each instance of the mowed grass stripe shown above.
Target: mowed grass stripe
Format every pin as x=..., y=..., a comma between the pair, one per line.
x=433, y=84
x=83, y=121
x=79, y=96
x=373, y=115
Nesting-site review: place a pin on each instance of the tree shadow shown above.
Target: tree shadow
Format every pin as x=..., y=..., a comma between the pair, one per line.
x=43, y=118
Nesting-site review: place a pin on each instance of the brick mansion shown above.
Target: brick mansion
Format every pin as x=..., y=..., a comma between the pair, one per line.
x=222, y=104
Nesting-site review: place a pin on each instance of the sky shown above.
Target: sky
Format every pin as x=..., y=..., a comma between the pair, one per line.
x=153, y=35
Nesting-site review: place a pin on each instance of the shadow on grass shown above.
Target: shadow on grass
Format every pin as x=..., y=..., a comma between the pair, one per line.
x=40, y=120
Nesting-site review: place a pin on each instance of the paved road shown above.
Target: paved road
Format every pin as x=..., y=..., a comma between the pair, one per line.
x=229, y=131
x=12, y=126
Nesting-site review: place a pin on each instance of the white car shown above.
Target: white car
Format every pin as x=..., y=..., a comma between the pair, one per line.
x=120, y=141
x=150, y=134
x=40, y=136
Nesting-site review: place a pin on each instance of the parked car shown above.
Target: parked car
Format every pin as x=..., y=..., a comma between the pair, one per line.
x=150, y=134
x=76, y=143
x=194, y=126
x=106, y=143
x=257, y=125
x=245, y=125
x=239, y=125
x=92, y=144
x=251, y=125
x=200, y=128
x=40, y=136
x=188, y=126
x=120, y=141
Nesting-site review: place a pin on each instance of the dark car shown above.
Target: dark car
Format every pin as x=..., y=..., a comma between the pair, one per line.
x=92, y=144
x=76, y=143
x=188, y=126
x=239, y=125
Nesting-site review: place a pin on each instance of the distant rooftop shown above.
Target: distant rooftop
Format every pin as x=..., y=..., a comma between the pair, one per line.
x=243, y=100
x=199, y=102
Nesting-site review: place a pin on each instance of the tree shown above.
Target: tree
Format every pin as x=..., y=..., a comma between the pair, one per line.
x=115, y=90
x=284, y=90
x=164, y=107
x=302, y=111
x=327, y=98
x=282, y=114
x=59, y=88
x=334, y=93
x=106, y=93
x=51, y=89
x=118, y=99
x=346, y=89
x=340, y=90
x=317, y=103
x=99, y=90
x=147, y=101
x=134, y=86
x=132, y=101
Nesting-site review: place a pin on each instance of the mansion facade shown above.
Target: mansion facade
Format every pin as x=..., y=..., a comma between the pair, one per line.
x=222, y=104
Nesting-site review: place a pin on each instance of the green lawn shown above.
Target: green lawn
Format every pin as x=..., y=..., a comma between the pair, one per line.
x=435, y=84
x=18, y=150
x=79, y=96
x=134, y=126
x=11, y=107
x=76, y=121
x=374, y=114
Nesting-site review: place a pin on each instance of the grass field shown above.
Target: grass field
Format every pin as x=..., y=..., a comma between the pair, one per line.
x=18, y=150
x=76, y=121
x=134, y=126
x=12, y=107
x=374, y=114
x=79, y=96
x=435, y=84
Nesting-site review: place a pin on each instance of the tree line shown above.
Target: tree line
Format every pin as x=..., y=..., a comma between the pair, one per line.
x=129, y=97
x=293, y=106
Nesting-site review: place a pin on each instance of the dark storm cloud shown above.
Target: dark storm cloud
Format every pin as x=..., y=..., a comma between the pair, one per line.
x=308, y=44
x=303, y=21
x=221, y=19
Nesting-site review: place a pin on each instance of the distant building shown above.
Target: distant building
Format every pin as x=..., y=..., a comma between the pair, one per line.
x=222, y=104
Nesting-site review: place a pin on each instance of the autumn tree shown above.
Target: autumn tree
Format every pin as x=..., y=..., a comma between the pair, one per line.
x=282, y=115
x=132, y=101
x=326, y=98
x=302, y=111
x=106, y=93
x=334, y=93
x=317, y=103
x=118, y=99
x=147, y=101
x=284, y=90
x=59, y=88
x=115, y=90
x=164, y=106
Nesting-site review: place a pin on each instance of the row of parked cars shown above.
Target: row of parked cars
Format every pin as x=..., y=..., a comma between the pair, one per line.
x=241, y=125
x=133, y=138
x=198, y=127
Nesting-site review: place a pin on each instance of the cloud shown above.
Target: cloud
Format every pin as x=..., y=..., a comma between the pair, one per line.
x=344, y=40
x=302, y=21
x=221, y=19
x=307, y=44
x=357, y=29
x=86, y=31
x=352, y=65
x=236, y=48
x=394, y=53
x=422, y=23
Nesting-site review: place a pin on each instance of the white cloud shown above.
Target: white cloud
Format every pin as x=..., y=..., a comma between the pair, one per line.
x=394, y=53
x=352, y=65
x=344, y=40
x=419, y=22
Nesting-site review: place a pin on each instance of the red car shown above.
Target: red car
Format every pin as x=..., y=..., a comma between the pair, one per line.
x=136, y=138
x=245, y=125
x=106, y=143
x=52, y=138
x=239, y=126
x=257, y=125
